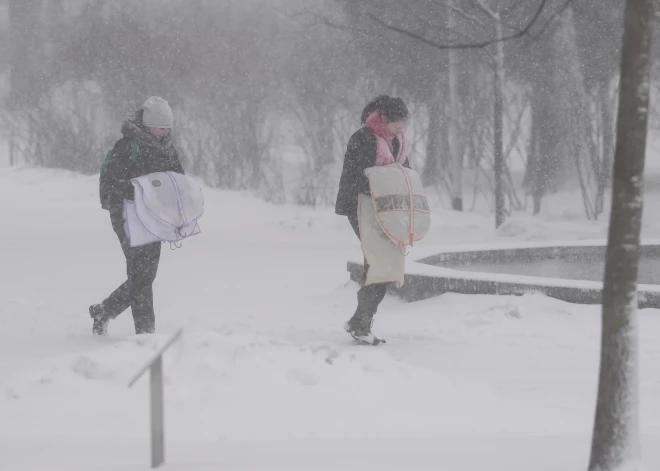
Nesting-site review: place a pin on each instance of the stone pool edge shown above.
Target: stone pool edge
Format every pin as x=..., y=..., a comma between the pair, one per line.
x=423, y=281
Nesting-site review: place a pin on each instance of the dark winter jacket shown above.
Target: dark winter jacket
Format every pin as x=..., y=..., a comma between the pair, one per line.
x=153, y=155
x=360, y=155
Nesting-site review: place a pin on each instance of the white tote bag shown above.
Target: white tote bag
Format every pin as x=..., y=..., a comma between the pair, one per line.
x=401, y=206
x=166, y=207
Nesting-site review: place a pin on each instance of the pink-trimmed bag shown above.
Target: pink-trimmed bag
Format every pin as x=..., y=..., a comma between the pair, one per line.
x=402, y=209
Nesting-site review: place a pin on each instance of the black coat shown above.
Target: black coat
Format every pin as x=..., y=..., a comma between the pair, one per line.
x=115, y=185
x=360, y=155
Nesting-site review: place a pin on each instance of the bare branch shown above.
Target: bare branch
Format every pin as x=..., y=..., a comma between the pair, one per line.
x=422, y=38
x=486, y=10
x=331, y=24
x=513, y=7
x=561, y=10
x=496, y=14
x=468, y=18
x=475, y=45
x=427, y=23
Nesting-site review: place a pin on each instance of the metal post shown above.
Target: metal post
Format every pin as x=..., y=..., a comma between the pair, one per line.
x=155, y=367
x=157, y=414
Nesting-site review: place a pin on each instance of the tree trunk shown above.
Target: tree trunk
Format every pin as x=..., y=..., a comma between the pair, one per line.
x=608, y=147
x=454, y=149
x=537, y=170
x=436, y=133
x=615, y=443
x=533, y=162
x=500, y=210
x=579, y=131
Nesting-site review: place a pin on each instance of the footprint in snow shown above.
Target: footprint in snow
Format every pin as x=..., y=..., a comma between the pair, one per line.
x=302, y=377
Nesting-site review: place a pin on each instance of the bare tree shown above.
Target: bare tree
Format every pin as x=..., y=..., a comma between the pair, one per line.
x=24, y=50
x=615, y=443
x=318, y=95
x=599, y=59
x=475, y=21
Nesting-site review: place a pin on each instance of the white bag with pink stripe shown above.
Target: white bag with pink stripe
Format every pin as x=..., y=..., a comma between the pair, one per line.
x=402, y=209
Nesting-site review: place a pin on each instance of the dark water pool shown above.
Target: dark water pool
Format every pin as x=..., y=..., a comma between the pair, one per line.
x=649, y=269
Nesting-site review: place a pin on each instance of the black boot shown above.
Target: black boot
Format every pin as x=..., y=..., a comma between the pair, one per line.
x=360, y=329
x=101, y=319
x=359, y=325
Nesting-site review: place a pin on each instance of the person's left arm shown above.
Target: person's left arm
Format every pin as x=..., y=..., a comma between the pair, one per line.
x=177, y=167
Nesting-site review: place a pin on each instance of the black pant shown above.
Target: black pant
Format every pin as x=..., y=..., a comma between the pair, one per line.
x=369, y=297
x=136, y=291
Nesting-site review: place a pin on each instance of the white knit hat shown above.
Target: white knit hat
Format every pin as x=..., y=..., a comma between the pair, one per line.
x=157, y=113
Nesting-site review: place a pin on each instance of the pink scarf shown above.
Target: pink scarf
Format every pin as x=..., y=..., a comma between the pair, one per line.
x=384, y=153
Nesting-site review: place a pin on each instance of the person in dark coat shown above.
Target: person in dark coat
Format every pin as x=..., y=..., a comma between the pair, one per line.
x=145, y=148
x=360, y=155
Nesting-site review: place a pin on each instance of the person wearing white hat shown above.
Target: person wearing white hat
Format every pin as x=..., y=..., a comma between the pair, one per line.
x=157, y=114
x=146, y=147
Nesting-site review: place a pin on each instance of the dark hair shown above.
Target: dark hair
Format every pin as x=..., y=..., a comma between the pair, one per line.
x=391, y=108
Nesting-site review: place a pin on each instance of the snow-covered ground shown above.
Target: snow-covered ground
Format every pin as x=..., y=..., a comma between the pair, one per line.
x=265, y=377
